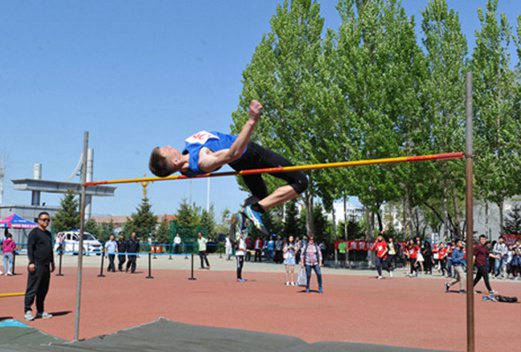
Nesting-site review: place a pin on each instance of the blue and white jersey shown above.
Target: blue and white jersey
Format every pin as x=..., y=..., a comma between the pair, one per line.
x=214, y=141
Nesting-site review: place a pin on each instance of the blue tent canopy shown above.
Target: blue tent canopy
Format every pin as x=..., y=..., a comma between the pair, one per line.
x=15, y=221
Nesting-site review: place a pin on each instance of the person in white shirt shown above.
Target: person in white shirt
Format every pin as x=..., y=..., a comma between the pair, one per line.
x=239, y=256
x=111, y=247
x=201, y=241
x=228, y=248
x=177, y=243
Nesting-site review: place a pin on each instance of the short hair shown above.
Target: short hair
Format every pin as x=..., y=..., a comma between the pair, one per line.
x=43, y=213
x=483, y=236
x=159, y=165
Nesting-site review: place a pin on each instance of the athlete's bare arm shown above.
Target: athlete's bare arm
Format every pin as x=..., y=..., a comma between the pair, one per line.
x=210, y=161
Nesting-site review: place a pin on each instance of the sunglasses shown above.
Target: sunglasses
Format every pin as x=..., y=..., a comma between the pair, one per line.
x=45, y=219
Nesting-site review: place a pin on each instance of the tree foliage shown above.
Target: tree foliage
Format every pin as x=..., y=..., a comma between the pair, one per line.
x=68, y=216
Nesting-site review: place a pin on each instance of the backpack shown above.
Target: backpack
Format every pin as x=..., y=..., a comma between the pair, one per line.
x=506, y=299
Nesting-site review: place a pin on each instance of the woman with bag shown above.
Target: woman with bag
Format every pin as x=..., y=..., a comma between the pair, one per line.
x=312, y=260
x=289, y=261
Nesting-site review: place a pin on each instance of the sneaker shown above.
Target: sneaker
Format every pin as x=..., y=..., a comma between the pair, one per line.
x=293, y=284
x=44, y=315
x=320, y=290
x=307, y=290
x=447, y=286
x=390, y=274
x=9, y=273
x=379, y=277
x=462, y=291
x=29, y=316
x=287, y=283
x=240, y=280
x=256, y=218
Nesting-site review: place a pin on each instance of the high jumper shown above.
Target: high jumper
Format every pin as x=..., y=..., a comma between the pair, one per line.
x=205, y=152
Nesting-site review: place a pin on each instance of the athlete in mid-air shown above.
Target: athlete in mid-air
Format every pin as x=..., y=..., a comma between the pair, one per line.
x=206, y=152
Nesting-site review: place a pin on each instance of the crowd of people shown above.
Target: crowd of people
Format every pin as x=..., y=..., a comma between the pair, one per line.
x=126, y=250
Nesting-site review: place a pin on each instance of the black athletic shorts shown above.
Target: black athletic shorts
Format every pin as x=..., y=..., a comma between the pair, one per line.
x=257, y=157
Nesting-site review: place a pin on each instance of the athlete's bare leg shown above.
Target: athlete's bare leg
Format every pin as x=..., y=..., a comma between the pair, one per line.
x=279, y=196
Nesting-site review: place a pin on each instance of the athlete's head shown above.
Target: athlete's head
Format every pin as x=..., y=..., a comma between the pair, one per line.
x=164, y=161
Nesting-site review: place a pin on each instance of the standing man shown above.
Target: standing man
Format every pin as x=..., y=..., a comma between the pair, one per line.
x=342, y=250
x=458, y=263
x=110, y=249
x=41, y=265
x=206, y=152
x=239, y=256
x=177, y=243
x=278, y=250
x=201, y=241
x=481, y=255
x=132, y=252
x=122, y=248
x=500, y=251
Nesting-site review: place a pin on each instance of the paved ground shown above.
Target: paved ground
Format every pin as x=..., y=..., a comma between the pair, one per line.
x=355, y=308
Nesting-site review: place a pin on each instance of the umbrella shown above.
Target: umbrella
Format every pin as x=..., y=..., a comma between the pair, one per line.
x=15, y=221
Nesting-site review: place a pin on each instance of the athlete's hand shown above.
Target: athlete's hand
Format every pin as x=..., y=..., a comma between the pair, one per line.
x=31, y=268
x=255, y=110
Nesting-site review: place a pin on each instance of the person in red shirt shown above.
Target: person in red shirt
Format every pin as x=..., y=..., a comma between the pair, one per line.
x=380, y=246
x=442, y=257
x=412, y=254
x=481, y=255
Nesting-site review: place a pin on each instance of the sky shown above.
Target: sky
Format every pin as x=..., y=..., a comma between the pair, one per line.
x=135, y=75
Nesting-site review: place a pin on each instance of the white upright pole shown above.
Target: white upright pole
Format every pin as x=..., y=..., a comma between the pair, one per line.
x=208, y=195
x=82, y=230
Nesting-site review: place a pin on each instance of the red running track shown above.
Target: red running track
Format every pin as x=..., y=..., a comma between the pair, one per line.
x=398, y=311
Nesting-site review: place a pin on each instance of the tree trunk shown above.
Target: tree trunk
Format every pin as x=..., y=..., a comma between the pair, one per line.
x=310, y=221
x=501, y=217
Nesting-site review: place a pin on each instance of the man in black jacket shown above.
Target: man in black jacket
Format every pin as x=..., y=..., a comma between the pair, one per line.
x=41, y=265
x=132, y=250
x=122, y=248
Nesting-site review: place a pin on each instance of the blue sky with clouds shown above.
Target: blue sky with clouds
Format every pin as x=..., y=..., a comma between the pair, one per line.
x=135, y=74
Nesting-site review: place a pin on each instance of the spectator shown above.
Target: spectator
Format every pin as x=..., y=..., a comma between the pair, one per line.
x=312, y=260
x=249, y=247
x=500, y=250
x=380, y=246
x=392, y=251
x=258, y=249
x=427, y=256
x=110, y=249
x=201, y=242
x=342, y=253
x=177, y=244
x=458, y=263
x=122, y=249
x=412, y=255
x=270, y=248
x=419, y=257
x=239, y=256
x=515, y=264
x=228, y=248
x=41, y=265
x=278, y=250
x=481, y=255
x=289, y=261
x=132, y=252
x=442, y=258
x=8, y=247
x=450, y=247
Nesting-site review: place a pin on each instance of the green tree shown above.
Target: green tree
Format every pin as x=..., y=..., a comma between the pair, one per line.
x=283, y=75
x=513, y=220
x=188, y=214
x=291, y=220
x=143, y=221
x=444, y=112
x=208, y=222
x=496, y=137
x=105, y=230
x=68, y=216
x=92, y=227
x=163, y=233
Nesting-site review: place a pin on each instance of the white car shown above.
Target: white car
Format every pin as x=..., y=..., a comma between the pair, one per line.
x=70, y=243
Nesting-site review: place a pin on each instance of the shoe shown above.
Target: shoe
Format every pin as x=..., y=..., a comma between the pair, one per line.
x=9, y=273
x=447, y=286
x=307, y=290
x=462, y=291
x=390, y=274
x=29, y=316
x=287, y=283
x=293, y=284
x=44, y=315
x=320, y=290
x=240, y=280
x=379, y=277
x=256, y=218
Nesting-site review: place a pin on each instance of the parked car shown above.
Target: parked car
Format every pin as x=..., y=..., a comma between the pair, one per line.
x=70, y=243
